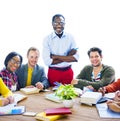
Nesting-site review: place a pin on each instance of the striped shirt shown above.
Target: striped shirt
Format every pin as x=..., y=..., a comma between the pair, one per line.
x=97, y=78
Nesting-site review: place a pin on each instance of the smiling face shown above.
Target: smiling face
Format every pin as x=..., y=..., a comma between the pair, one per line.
x=13, y=64
x=32, y=56
x=95, y=59
x=58, y=24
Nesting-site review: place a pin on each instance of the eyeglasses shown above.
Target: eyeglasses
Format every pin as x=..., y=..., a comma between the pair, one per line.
x=13, y=61
x=59, y=23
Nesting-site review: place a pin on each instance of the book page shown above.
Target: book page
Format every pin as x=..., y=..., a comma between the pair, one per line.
x=110, y=95
x=19, y=97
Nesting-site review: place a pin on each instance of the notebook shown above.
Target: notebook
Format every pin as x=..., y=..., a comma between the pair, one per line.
x=57, y=111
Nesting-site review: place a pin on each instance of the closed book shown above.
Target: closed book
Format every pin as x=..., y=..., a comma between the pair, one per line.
x=43, y=117
x=28, y=90
x=57, y=111
x=90, y=97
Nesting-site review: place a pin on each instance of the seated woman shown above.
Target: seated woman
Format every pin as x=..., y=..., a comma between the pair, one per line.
x=6, y=94
x=12, y=62
x=113, y=87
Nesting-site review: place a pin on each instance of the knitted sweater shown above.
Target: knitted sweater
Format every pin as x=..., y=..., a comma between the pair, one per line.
x=84, y=78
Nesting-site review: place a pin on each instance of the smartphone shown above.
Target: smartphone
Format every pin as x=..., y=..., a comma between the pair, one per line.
x=29, y=114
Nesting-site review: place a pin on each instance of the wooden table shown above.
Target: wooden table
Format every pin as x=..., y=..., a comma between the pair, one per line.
x=37, y=103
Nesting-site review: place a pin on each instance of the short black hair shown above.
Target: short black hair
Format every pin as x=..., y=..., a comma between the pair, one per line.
x=93, y=49
x=57, y=15
x=10, y=56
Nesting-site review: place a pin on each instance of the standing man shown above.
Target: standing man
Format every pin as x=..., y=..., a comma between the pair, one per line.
x=31, y=74
x=59, y=50
x=95, y=75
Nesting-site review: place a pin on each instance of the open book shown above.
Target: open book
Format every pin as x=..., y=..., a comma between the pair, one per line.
x=27, y=90
x=90, y=97
x=19, y=97
x=106, y=97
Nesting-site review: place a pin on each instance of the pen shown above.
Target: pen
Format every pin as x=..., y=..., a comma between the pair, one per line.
x=76, y=48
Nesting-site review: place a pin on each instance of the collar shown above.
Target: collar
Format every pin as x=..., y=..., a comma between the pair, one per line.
x=54, y=35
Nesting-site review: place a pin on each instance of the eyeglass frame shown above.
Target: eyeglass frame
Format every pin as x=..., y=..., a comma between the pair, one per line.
x=13, y=61
x=58, y=23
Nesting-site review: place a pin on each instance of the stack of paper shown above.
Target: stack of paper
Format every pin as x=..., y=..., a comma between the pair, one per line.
x=30, y=90
x=90, y=97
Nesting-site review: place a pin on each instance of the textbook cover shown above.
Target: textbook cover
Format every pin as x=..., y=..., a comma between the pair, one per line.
x=42, y=117
x=57, y=111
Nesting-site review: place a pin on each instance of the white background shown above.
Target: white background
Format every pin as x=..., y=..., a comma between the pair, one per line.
x=24, y=23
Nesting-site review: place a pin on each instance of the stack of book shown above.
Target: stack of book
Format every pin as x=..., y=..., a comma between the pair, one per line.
x=53, y=114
